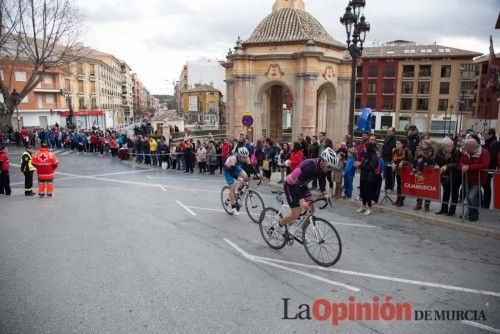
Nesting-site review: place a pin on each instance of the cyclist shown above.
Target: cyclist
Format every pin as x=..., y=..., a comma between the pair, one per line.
x=234, y=169
x=297, y=192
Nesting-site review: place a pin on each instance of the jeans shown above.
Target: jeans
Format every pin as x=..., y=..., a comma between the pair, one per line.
x=348, y=185
x=486, y=200
x=473, y=201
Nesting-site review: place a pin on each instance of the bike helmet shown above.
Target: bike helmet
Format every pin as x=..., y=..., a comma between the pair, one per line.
x=243, y=152
x=329, y=157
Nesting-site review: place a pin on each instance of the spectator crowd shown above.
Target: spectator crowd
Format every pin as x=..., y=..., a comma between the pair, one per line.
x=461, y=159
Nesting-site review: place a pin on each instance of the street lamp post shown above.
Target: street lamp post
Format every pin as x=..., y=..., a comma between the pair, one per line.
x=356, y=28
x=15, y=101
x=461, y=105
x=67, y=96
x=451, y=114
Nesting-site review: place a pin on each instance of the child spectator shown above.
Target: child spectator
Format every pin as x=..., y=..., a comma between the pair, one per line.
x=349, y=172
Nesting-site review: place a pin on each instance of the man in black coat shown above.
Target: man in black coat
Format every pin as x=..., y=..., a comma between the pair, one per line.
x=413, y=139
x=493, y=146
x=387, y=148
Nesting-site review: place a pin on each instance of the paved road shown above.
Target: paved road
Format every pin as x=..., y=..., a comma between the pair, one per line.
x=122, y=249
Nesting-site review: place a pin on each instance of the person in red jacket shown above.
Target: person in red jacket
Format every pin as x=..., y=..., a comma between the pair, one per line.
x=4, y=172
x=473, y=161
x=45, y=163
x=296, y=157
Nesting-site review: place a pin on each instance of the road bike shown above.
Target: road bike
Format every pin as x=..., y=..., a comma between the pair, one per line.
x=319, y=238
x=253, y=201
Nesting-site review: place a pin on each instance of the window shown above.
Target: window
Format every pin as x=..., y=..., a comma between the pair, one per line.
x=67, y=85
x=442, y=126
x=92, y=86
x=80, y=68
x=406, y=104
x=25, y=100
x=371, y=102
x=357, y=103
x=407, y=87
x=358, y=87
x=389, y=71
x=422, y=104
x=424, y=71
x=372, y=88
x=387, y=103
x=470, y=70
x=80, y=86
x=443, y=105
x=372, y=71
x=92, y=69
x=467, y=87
x=408, y=71
x=445, y=71
x=444, y=88
x=388, y=87
x=424, y=87
x=404, y=122
x=48, y=79
x=50, y=99
x=359, y=72
x=20, y=76
x=468, y=105
x=385, y=122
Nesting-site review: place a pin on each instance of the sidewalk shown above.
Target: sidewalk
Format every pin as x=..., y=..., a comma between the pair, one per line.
x=488, y=224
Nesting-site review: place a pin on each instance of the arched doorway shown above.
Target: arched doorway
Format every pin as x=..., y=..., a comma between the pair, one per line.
x=325, y=109
x=277, y=110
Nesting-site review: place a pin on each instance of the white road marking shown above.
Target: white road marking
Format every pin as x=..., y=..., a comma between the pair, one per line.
x=186, y=208
x=319, y=278
x=149, y=177
x=357, y=225
x=162, y=188
x=209, y=209
x=478, y=325
x=386, y=278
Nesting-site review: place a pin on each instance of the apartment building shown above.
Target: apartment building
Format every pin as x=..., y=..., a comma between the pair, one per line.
x=201, y=105
x=43, y=106
x=405, y=83
x=488, y=112
x=127, y=93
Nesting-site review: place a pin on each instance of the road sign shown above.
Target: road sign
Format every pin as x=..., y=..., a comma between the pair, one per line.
x=247, y=120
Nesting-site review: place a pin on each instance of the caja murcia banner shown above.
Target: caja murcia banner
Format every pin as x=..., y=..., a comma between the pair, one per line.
x=496, y=191
x=426, y=186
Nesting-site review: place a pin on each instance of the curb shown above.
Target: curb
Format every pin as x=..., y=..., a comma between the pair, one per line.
x=421, y=219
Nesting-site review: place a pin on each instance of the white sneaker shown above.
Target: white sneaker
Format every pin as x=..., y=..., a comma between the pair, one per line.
x=361, y=209
x=236, y=212
x=367, y=212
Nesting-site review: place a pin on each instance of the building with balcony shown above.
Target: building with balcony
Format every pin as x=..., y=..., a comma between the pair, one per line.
x=488, y=105
x=201, y=105
x=127, y=93
x=43, y=106
x=405, y=83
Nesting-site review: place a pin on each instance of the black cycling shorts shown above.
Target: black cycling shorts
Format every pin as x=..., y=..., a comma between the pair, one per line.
x=294, y=193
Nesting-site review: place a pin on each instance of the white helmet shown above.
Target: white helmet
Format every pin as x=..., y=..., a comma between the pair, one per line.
x=243, y=152
x=329, y=157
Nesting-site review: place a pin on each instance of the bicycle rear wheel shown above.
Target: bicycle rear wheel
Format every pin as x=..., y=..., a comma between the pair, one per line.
x=322, y=242
x=226, y=203
x=268, y=221
x=254, y=205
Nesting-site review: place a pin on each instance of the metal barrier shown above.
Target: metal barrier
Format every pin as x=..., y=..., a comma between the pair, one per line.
x=428, y=186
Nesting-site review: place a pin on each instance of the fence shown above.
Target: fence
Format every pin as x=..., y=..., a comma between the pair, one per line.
x=428, y=185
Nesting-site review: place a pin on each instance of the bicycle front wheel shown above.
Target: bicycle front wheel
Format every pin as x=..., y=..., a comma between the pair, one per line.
x=268, y=229
x=254, y=205
x=226, y=203
x=322, y=242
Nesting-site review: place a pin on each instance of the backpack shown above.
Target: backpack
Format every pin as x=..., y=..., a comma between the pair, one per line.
x=253, y=159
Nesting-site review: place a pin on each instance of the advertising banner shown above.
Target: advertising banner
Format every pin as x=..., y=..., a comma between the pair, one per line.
x=425, y=186
x=193, y=103
x=496, y=191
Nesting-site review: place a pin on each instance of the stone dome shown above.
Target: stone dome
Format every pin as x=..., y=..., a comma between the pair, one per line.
x=291, y=26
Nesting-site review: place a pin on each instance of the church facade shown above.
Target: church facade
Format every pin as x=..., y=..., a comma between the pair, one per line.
x=289, y=66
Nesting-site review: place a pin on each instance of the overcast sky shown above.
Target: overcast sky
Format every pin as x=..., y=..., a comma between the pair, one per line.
x=156, y=37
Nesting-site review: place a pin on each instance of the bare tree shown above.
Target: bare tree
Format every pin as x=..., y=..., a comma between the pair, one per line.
x=39, y=35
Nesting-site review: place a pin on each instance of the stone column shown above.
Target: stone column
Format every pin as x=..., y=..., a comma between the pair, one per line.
x=276, y=113
x=310, y=97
